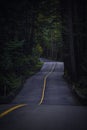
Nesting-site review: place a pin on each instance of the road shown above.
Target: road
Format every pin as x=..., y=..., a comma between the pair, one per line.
x=45, y=102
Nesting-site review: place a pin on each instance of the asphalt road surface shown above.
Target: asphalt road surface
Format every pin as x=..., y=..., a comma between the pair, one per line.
x=46, y=102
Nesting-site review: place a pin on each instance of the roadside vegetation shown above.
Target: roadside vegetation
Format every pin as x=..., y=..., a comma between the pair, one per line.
x=28, y=31
x=16, y=66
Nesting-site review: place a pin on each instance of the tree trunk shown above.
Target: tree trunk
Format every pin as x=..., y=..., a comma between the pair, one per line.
x=71, y=40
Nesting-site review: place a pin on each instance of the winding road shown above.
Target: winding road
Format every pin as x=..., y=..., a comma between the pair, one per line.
x=46, y=102
x=48, y=85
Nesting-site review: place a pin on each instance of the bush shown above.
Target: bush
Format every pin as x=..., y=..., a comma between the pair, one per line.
x=15, y=65
x=37, y=51
x=9, y=83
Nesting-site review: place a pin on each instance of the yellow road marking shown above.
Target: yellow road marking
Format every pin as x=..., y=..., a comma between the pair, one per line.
x=21, y=105
x=44, y=86
x=11, y=109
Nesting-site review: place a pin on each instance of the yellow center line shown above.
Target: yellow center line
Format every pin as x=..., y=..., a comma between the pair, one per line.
x=44, y=85
x=21, y=105
x=11, y=109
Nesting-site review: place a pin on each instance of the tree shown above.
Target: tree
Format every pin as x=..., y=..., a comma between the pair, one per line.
x=37, y=51
x=48, y=31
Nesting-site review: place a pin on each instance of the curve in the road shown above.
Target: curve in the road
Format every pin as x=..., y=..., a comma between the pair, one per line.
x=22, y=105
x=44, y=85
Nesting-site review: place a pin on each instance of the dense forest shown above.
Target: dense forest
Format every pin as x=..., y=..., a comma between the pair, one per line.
x=74, y=21
x=54, y=29
x=28, y=30
x=48, y=31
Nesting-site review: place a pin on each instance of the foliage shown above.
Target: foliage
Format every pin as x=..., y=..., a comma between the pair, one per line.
x=48, y=31
x=37, y=51
x=15, y=65
x=28, y=30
